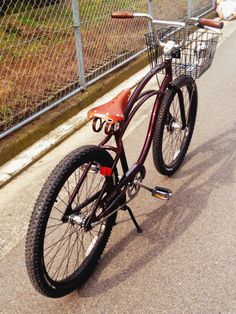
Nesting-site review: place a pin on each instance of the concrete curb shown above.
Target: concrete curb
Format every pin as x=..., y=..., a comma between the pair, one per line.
x=36, y=151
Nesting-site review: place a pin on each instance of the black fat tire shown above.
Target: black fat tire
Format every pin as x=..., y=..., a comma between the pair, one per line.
x=40, y=215
x=161, y=166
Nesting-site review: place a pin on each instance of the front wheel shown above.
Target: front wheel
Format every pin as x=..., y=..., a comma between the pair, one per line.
x=175, y=124
x=60, y=252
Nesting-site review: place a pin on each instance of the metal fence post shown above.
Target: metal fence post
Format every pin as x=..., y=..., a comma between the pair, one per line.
x=213, y=4
x=150, y=11
x=78, y=39
x=190, y=8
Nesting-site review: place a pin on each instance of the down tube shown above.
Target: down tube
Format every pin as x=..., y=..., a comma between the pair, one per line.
x=153, y=120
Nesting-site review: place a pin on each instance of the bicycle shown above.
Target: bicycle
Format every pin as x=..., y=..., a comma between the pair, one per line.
x=77, y=207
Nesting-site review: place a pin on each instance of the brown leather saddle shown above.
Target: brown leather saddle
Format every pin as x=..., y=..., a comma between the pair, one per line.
x=114, y=110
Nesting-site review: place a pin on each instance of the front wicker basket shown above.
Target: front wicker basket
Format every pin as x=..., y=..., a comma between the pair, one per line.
x=193, y=59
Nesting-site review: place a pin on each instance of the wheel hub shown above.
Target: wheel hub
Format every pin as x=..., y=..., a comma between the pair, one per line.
x=80, y=221
x=176, y=126
x=173, y=125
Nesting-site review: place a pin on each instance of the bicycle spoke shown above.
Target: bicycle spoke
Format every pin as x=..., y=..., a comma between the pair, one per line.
x=78, y=251
x=52, y=226
x=46, y=235
x=52, y=246
x=61, y=200
x=68, y=250
x=67, y=189
x=58, y=209
x=53, y=218
x=168, y=145
x=66, y=258
x=82, y=246
x=57, y=273
x=54, y=256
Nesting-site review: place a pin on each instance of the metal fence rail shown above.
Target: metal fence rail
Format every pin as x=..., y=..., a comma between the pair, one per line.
x=50, y=48
x=199, y=7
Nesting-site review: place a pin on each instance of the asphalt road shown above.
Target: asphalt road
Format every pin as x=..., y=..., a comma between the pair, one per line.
x=185, y=260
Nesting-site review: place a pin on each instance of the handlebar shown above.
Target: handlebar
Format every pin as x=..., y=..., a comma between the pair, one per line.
x=210, y=23
x=122, y=15
x=200, y=22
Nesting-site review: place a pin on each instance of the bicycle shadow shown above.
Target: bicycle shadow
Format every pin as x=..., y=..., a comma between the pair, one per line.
x=214, y=167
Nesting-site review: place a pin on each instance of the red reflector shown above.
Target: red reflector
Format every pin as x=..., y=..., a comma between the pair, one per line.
x=106, y=171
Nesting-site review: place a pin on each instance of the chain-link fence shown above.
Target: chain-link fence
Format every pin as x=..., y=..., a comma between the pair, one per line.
x=198, y=7
x=108, y=42
x=37, y=56
x=49, y=48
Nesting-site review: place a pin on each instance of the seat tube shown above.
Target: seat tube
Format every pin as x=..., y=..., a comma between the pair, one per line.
x=121, y=154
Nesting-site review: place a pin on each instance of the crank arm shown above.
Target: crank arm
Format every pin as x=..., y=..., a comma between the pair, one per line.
x=101, y=217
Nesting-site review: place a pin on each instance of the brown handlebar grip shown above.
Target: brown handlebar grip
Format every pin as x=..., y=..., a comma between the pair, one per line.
x=122, y=15
x=211, y=23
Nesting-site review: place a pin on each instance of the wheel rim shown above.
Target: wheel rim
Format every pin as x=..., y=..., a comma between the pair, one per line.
x=174, y=137
x=67, y=246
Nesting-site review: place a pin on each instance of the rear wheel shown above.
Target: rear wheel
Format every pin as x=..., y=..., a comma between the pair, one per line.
x=60, y=253
x=175, y=124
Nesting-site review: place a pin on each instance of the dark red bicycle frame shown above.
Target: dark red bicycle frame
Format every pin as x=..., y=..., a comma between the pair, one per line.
x=130, y=112
x=129, y=174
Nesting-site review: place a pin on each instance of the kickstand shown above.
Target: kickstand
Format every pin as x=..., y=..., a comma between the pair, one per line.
x=139, y=230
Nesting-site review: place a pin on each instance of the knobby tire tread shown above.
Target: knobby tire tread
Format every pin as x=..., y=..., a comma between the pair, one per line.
x=44, y=203
x=180, y=81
